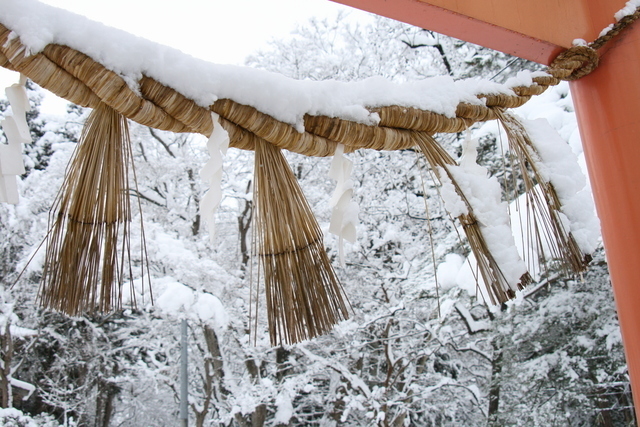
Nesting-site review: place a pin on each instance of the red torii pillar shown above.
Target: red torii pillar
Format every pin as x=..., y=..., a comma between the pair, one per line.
x=607, y=104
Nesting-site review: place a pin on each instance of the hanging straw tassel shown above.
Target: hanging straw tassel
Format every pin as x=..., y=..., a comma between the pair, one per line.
x=304, y=296
x=499, y=288
x=542, y=202
x=84, y=268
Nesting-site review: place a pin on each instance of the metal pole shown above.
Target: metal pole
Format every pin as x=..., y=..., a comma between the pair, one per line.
x=184, y=377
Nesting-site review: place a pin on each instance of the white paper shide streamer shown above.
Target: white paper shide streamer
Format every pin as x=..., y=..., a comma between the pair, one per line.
x=344, y=216
x=212, y=174
x=17, y=132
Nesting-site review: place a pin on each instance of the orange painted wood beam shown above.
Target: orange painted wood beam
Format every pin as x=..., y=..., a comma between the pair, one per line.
x=607, y=102
x=537, y=30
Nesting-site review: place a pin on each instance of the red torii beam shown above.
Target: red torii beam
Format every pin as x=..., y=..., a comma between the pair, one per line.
x=607, y=104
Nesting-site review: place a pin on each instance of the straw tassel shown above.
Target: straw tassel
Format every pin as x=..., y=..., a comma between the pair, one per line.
x=499, y=287
x=543, y=203
x=88, y=239
x=303, y=294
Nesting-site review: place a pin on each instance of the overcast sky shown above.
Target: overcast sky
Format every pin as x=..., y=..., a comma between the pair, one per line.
x=220, y=31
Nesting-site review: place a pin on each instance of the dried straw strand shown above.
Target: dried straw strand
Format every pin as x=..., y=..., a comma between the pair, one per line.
x=85, y=262
x=304, y=297
x=497, y=286
x=542, y=203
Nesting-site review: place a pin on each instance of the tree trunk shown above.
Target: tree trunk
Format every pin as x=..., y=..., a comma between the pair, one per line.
x=5, y=372
x=259, y=416
x=195, y=225
x=244, y=222
x=256, y=419
x=200, y=416
x=494, y=390
x=107, y=391
x=211, y=338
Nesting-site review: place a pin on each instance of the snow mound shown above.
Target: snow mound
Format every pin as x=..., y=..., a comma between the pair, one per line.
x=447, y=271
x=180, y=300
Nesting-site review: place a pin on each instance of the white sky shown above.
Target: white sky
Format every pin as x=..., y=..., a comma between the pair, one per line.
x=220, y=31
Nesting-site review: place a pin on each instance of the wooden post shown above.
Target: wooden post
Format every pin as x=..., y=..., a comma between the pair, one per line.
x=607, y=105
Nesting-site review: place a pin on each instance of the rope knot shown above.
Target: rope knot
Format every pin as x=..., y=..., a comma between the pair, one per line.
x=574, y=63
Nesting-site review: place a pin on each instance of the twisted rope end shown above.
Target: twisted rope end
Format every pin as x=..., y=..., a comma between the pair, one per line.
x=574, y=63
x=579, y=61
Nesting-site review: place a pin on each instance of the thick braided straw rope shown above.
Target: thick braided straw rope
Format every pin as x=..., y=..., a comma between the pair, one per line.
x=615, y=29
x=76, y=77
x=574, y=63
x=579, y=61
